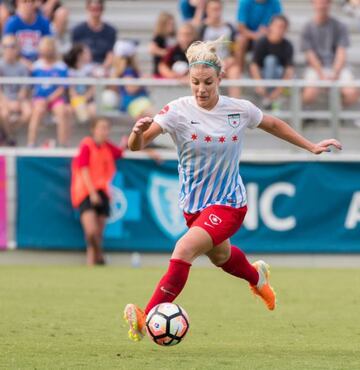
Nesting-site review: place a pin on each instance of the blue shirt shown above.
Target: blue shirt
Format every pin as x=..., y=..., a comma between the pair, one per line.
x=58, y=69
x=100, y=42
x=187, y=11
x=126, y=97
x=254, y=14
x=29, y=35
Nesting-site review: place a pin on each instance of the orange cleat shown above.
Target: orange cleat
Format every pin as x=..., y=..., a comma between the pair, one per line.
x=263, y=288
x=136, y=318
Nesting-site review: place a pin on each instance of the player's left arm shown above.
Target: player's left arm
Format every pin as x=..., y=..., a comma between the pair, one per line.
x=282, y=130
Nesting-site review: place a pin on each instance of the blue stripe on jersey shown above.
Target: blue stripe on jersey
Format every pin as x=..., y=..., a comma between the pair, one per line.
x=231, y=189
x=223, y=182
x=196, y=181
x=207, y=180
x=228, y=189
x=210, y=198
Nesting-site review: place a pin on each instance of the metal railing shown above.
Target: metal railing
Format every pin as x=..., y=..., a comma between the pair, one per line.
x=295, y=113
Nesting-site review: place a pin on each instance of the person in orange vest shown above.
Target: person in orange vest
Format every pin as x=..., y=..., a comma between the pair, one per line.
x=92, y=171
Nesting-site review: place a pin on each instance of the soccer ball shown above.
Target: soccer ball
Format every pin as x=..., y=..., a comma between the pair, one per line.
x=167, y=324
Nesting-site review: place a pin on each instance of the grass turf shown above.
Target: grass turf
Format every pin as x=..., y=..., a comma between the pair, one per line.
x=71, y=318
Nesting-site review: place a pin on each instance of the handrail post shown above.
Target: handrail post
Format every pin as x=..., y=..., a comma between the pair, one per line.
x=296, y=107
x=335, y=107
x=98, y=97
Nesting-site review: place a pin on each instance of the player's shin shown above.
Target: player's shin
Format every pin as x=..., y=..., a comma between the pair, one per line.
x=239, y=266
x=171, y=284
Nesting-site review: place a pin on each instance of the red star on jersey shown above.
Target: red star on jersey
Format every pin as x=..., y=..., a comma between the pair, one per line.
x=194, y=137
x=222, y=139
x=208, y=139
x=235, y=138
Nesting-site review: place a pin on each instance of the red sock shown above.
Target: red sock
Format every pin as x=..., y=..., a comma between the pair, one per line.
x=239, y=266
x=171, y=284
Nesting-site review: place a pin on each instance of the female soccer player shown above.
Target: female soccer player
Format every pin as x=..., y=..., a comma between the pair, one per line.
x=92, y=171
x=208, y=130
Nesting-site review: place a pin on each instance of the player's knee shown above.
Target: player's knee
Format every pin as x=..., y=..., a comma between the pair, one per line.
x=218, y=259
x=185, y=250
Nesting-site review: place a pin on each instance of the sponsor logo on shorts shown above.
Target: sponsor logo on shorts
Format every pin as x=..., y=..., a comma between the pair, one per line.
x=215, y=220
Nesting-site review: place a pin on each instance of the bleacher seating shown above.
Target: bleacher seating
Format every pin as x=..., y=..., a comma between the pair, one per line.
x=135, y=19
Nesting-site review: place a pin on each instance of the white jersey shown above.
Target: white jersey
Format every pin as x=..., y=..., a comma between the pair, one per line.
x=209, y=145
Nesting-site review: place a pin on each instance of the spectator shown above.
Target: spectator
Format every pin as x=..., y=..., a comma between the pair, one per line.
x=324, y=41
x=99, y=36
x=82, y=97
x=214, y=27
x=164, y=38
x=174, y=64
x=92, y=171
x=253, y=18
x=273, y=59
x=15, y=106
x=28, y=26
x=57, y=13
x=192, y=11
x=49, y=97
x=134, y=99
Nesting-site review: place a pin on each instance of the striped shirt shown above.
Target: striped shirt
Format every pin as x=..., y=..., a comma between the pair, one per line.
x=209, y=144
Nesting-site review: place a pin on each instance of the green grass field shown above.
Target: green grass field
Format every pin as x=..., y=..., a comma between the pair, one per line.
x=71, y=318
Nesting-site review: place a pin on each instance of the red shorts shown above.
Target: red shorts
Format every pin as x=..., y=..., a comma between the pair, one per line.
x=220, y=222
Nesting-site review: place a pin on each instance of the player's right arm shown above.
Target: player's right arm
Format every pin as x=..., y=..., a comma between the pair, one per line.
x=143, y=133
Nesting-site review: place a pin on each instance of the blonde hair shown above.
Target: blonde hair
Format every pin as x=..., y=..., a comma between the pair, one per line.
x=205, y=53
x=160, y=27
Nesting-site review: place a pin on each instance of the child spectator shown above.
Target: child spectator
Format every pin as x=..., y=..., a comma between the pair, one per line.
x=273, y=60
x=28, y=25
x=15, y=106
x=92, y=171
x=99, y=36
x=214, y=27
x=49, y=97
x=324, y=40
x=134, y=99
x=253, y=19
x=174, y=64
x=164, y=38
x=82, y=97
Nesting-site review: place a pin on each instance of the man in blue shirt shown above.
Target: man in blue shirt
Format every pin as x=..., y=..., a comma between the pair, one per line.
x=253, y=18
x=99, y=36
x=29, y=27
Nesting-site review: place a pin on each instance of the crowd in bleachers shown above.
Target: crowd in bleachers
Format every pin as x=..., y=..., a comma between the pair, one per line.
x=36, y=41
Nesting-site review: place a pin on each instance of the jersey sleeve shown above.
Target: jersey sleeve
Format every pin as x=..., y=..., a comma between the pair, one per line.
x=167, y=118
x=84, y=156
x=255, y=115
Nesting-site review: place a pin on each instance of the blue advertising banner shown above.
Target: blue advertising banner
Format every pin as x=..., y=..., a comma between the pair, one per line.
x=293, y=207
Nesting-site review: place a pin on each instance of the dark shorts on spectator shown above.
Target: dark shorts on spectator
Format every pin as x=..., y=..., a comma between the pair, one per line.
x=102, y=209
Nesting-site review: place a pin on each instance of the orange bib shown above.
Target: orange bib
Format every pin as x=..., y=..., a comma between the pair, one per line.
x=101, y=169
